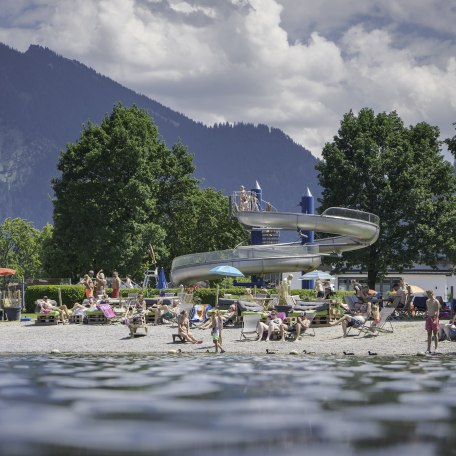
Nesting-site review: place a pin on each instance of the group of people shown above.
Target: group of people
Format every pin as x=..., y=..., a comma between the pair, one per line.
x=276, y=325
x=324, y=288
x=248, y=201
x=95, y=284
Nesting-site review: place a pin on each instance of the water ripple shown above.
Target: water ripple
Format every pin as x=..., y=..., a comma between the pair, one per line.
x=244, y=405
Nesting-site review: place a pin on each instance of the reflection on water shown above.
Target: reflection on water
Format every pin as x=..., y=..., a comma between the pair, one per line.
x=226, y=405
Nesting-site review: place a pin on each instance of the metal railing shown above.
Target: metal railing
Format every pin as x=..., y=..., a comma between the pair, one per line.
x=352, y=214
x=251, y=252
x=248, y=201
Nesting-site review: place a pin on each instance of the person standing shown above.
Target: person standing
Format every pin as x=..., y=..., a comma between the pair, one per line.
x=244, y=198
x=100, y=283
x=284, y=290
x=319, y=288
x=128, y=282
x=217, y=327
x=115, y=285
x=432, y=324
x=88, y=285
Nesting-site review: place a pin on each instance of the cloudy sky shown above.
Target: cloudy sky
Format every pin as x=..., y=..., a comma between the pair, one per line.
x=298, y=65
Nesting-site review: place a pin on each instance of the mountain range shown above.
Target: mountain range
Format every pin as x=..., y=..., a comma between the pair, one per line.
x=45, y=99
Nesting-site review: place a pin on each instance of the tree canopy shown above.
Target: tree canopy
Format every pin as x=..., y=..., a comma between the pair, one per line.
x=121, y=189
x=20, y=247
x=376, y=164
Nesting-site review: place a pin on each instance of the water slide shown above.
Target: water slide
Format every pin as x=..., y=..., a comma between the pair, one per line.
x=353, y=229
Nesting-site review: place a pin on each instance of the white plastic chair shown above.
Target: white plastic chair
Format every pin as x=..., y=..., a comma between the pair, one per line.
x=249, y=326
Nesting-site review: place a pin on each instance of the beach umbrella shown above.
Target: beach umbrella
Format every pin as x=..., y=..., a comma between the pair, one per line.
x=161, y=281
x=226, y=271
x=316, y=275
x=7, y=271
x=415, y=289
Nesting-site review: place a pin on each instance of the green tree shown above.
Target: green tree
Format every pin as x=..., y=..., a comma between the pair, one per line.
x=378, y=165
x=20, y=247
x=202, y=224
x=121, y=190
x=450, y=215
x=105, y=207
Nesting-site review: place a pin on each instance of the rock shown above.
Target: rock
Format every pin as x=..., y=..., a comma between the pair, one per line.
x=55, y=351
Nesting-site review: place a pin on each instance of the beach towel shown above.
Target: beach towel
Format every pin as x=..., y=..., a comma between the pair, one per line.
x=107, y=310
x=199, y=313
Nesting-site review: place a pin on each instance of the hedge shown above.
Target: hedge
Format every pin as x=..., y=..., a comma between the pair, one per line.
x=75, y=293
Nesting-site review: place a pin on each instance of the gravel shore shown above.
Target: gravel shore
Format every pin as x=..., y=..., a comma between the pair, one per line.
x=408, y=338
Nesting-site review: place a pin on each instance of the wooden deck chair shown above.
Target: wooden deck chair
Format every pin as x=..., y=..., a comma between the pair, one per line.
x=250, y=322
x=373, y=328
x=273, y=300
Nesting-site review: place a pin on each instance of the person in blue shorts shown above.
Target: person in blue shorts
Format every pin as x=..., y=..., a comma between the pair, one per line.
x=356, y=320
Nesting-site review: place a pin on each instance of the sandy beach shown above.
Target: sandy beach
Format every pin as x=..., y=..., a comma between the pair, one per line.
x=408, y=338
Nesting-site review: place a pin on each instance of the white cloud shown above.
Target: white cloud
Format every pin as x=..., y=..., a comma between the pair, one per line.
x=290, y=64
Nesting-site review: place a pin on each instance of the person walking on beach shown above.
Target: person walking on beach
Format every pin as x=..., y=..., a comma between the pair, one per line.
x=217, y=327
x=432, y=320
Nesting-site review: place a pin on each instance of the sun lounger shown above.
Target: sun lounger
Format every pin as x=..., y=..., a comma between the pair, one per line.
x=373, y=328
x=199, y=314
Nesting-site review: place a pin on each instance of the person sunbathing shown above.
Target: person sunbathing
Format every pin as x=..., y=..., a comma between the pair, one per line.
x=160, y=310
x=355, y=320
x=46, y=307
x=183, y=328
x=274, y=325
x=225, y=317
x=302, y=325
x=171, y=313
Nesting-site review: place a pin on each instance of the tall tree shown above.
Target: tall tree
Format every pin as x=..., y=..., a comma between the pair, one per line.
x=20, y=247
x=122, y=189
x=378, y=165
x=450, y=216
x=105, y=207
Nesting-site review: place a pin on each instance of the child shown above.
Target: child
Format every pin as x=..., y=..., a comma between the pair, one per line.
x=217, y=325
x=375, y=314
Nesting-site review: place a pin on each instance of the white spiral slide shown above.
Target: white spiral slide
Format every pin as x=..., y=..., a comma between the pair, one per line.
x=354, y=230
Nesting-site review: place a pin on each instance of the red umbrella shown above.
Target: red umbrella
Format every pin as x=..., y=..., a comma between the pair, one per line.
x=7, y=271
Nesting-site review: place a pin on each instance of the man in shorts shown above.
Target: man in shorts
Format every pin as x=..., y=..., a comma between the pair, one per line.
x=356, y=320
x=432, y=324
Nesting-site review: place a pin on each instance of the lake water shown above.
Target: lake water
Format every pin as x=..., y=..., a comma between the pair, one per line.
x=229, y=405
